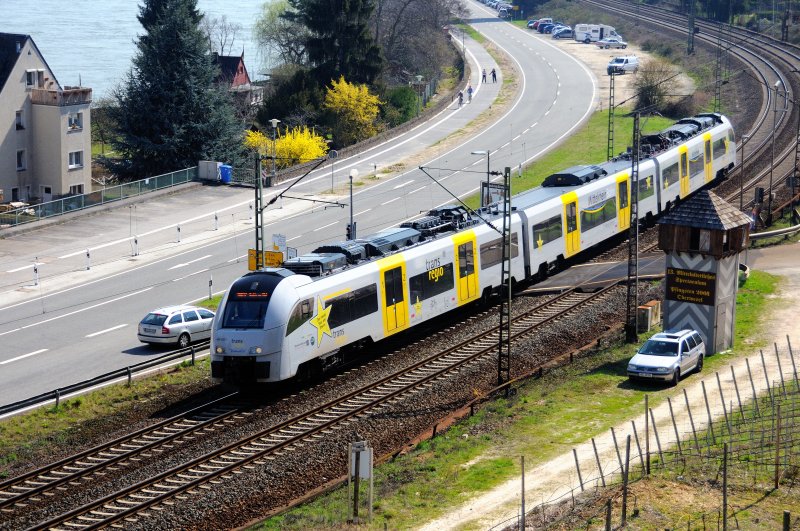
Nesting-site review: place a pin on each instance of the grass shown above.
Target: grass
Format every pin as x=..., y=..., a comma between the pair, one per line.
x=586, y=146
x=473, y=33
x=545, y=419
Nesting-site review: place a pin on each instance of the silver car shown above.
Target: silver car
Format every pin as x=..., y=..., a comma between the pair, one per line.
x=179, y=325
x=668, y=356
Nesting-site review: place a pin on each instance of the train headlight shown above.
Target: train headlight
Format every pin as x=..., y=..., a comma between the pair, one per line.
x=220, y=350
x=255, y=350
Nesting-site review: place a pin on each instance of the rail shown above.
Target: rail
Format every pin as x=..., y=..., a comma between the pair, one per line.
x=128, y=372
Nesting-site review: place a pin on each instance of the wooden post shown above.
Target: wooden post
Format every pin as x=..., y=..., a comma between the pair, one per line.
x=722, y=401
x=738, y=397
x=778, y=449
x=625, y=480
x=708, y=412
x=675, y=427
x=691, y=421
x=616, y=447
x=752, y=386
x=794, y=367
x=787, y=520
x=766, y=379
x=780, y=369
x=638, y=446
x=522, y=465
x=599, y=468
x=646, y=436
x=655, y=433
x=577, y=467
x=725, y=487
x=608, y=515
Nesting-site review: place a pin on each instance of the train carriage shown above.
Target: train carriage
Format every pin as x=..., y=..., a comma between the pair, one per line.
x=277, y=323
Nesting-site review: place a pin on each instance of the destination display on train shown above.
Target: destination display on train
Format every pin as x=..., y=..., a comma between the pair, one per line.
x=685, y=285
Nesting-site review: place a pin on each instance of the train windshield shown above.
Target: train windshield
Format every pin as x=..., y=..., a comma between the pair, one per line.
x=248, y=300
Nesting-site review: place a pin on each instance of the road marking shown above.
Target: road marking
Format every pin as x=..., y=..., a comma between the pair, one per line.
x=390, y=201
x=107, y=330
x=417, y=190
x=362, y=212
x=190, y=275
x=403, y=184
x=77, y=311
x=326, y=226
x=238, y=258
x=189, y=262
x=24, y=356
x=23, y=268
x=290, y=239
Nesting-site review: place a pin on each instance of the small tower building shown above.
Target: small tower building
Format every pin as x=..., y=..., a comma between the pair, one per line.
x=702, y=239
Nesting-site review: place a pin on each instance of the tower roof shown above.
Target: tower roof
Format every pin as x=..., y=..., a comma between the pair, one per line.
x=706, y=210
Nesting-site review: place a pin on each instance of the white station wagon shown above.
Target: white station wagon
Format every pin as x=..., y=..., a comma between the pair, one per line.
x=179, y=325
x=668, y=356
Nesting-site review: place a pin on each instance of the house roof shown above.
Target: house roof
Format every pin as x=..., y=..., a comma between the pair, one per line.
x=9, y=54
x=228, y=65
x=706, y=210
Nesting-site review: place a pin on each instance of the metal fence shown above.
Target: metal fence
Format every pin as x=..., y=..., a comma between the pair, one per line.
x=72, y=203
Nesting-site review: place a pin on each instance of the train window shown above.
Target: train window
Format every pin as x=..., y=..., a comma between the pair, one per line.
x=466, y=260
x=244, y=314
x=393, y=282
x=352, y=305
x=670, y=175
x=430, y=283
x=684, y=163
x=719, y=148
x=492, y=252
x=546, y=231
x=622, y=189
x=572, y=217
x=302, y=312
x=599, y=214
x=696, y=164
x=708, y=150
x=646, y=187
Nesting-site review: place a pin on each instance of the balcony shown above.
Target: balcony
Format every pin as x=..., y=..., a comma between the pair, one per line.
x=62, y=98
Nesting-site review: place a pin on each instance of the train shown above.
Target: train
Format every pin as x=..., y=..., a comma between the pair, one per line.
x=296, y=321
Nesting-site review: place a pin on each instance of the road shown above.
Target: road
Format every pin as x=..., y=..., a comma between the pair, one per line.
x=79, y=321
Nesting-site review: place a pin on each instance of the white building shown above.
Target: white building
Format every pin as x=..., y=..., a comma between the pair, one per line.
x=45, y=130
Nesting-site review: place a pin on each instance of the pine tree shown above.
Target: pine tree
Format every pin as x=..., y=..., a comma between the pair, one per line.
x=169, y=112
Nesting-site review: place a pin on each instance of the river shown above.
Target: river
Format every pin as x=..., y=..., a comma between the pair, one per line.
x=91, y=42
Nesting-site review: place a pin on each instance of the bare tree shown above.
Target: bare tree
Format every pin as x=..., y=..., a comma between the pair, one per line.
x=655, y=82
x=221, y=34
x=280, y=39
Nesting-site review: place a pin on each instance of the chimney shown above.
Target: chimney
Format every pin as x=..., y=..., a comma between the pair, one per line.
x=19, y=46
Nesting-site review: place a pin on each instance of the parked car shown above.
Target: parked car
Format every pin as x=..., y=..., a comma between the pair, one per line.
x=179, y=325
x=667, y=356
x=611, y=42
x=541, y=21
x=622, y=64
x=563, y=33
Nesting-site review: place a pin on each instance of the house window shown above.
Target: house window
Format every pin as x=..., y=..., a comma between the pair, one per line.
x=14, y=194
x=76, y=159
x=75, y=121
x=30, y=78
x=76, y=189
x=19, y=123
x=20, y=159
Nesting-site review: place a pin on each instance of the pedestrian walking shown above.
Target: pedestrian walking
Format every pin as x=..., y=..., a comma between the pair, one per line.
x=469, y=94
x=494, y=76
x=483, y=76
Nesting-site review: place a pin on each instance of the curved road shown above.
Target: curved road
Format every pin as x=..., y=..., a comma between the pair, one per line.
x=78, y=322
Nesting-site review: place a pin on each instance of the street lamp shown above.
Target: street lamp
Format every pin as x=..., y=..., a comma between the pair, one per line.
x=745, y=138
x=772, y=163
x=352, y=231
x=418, y=86
x=274, y=122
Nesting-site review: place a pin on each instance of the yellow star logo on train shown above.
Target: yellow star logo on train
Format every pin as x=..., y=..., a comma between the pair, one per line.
x=321, y=321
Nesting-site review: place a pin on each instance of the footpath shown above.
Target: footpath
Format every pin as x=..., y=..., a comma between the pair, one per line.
x=557, y=478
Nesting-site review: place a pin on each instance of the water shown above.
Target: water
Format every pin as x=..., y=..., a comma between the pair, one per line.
x=91, y=42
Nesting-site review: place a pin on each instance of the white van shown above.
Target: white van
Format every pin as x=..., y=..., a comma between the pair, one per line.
x=594, y=32
x=622, y=64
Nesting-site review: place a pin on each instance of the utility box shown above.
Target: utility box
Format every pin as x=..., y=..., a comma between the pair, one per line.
x=655, y=312
x=644, y=318
x=209, y=170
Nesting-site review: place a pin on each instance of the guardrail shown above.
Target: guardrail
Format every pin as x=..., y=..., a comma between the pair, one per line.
x=72, y=203
x=129, y=371
x=773, y=233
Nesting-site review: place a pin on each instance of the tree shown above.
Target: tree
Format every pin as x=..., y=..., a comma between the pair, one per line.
x=339, y=42
x=295, y=146
x=654, y=83
x=102, y=123
x=283, y=39
x=169, y=113
x=354, y=111
x=221, y=34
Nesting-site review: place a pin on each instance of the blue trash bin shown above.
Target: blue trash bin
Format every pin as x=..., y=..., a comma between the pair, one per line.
x=225, y=173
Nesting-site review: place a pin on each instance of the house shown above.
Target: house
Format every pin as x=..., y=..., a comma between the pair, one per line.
x=233, y=74
x=45, y=138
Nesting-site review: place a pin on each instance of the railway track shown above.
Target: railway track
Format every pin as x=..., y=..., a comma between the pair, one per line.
x=137, y=501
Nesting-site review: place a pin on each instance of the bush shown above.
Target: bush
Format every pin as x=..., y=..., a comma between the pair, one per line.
x=401, y=105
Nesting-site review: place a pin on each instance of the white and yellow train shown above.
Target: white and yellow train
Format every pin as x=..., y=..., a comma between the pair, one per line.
x=277, y=323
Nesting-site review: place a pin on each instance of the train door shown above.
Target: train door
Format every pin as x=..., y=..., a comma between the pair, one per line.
x=683, y=170
x=395, y=296
x=708, y=166
x=572, y=233
x=623, y=202
x=467, y=280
